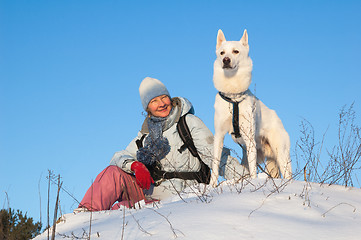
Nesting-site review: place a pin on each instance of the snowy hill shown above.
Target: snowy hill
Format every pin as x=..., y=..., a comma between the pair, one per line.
x=256, y=209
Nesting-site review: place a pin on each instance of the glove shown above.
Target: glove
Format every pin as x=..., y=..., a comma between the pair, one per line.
x=142, y=175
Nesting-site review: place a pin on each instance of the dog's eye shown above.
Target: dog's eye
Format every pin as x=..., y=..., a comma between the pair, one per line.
x=235, y=51
x=222, y=53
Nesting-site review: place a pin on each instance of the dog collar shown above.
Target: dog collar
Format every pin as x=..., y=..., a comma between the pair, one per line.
x=233, y=97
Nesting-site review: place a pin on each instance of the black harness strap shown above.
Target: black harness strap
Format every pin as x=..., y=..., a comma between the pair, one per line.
x=139, y=142
x=186, y=137
x=235, y=115
x=204, y=174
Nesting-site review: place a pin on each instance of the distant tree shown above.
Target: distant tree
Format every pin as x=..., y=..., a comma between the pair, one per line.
x=16, y=226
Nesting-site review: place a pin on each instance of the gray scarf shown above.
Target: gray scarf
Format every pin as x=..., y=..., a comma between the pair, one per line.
x=156, y=147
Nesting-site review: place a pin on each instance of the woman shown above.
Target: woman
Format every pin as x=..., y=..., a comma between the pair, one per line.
x=132, y=174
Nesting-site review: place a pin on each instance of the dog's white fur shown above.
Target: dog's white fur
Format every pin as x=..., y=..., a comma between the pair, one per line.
x=262, y=132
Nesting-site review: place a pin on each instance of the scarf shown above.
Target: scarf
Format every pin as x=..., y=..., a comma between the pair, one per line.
x=156, y=147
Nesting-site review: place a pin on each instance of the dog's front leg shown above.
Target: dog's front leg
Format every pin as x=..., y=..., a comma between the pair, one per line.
x=252, y=157
x=222, y=126
x=217, y=153
x=248, y=128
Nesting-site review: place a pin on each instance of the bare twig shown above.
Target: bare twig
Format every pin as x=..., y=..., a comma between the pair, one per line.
x=139, y=226
x=276, y=189
x=73, y=236
x=91, y=211
x=170, y=224
x=56, y=208
x=344, y=159
x=254, y=210
x=305, y=194
x=40, y=198
x=123, y=225
x=50, y=175
x=354, y=208
x=7, y=200
x=66, y=191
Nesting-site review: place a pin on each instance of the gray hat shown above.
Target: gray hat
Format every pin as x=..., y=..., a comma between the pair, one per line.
x=150, y=88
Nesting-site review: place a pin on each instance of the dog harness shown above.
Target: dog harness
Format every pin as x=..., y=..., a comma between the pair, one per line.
x=235, y=116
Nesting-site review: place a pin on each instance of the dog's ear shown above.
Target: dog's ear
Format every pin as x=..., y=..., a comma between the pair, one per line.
x=220, y=38
x=244, y=39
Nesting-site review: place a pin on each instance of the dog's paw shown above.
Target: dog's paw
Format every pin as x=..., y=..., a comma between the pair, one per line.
x=213, y=182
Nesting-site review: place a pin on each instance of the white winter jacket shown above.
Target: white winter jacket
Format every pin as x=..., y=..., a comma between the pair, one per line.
x=180, y=161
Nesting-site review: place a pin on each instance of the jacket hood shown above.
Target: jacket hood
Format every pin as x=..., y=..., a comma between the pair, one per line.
x=185, y=105
x=181, y=106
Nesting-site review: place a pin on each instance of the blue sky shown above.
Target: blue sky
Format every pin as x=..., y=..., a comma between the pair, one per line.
x=70, y=72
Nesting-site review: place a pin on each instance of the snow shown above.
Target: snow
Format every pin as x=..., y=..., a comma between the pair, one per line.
x=252, y=209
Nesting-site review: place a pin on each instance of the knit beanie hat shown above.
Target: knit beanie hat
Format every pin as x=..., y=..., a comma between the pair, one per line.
x=150, y=88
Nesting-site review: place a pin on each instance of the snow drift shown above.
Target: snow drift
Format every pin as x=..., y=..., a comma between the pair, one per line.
x=252, y=209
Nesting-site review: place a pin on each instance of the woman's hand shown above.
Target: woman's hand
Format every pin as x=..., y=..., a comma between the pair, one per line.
x=142, y=175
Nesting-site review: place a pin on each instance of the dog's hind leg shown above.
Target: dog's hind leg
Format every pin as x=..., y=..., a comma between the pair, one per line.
x=272, y=168
x=278, y=153
x=244, y=161
x=285, y=165
x=284, y=160
x=271, y=163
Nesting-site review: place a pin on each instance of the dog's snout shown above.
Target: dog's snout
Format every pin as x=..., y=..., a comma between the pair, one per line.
x=227, y=63
x=226, y=60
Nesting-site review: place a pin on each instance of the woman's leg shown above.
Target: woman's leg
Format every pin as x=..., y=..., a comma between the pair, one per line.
x=111, y=185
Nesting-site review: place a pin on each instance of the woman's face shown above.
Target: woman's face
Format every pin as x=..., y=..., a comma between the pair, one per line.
x=160, y=106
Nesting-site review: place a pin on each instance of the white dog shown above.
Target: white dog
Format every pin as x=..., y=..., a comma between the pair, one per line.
x=255, y=127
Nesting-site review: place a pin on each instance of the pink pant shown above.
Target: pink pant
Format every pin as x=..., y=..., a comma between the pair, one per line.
x=110, y=186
